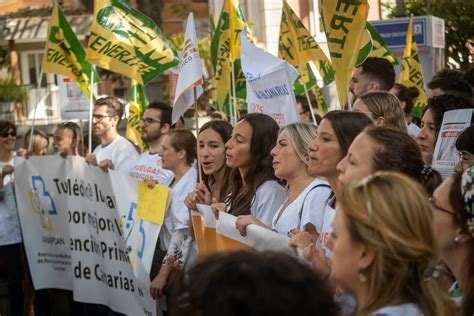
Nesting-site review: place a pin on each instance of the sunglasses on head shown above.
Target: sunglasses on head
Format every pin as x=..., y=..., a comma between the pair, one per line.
x=5, y=134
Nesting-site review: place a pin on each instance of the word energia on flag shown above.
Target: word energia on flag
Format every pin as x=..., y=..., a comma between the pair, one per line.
x=344, y=24
x=128, y=42
x=190, y=74
x=410, y=74
x=64, y=53
x=225, y=53
x=138, y=105
x=298, y=47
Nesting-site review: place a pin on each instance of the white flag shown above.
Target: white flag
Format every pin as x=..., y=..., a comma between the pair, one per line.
x=190, y=74
x=269, y=83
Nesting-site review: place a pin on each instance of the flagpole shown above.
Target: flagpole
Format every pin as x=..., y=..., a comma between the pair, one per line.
x=81, y=139
x=307, y=97
x=30, y=143
x=231, y=102
x=91, y=105
x=233, y=91
x=349, y=102
x=197, y=135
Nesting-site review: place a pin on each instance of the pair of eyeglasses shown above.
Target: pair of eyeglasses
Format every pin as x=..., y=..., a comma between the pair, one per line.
x=98, y=117
x=433, y=204
x=148, y=121
x=8, y=133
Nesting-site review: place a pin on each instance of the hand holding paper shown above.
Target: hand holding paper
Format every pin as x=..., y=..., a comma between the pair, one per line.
x=152, y=203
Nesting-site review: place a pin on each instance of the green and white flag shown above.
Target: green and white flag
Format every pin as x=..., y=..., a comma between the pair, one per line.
x=373, y=45
x=64, y=53
x=225, y=52
x=138, y=105
x=323, y=107
x=128, y=42
x=297, y=46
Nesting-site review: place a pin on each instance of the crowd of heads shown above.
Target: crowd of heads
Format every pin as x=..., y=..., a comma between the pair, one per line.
x=396, y=219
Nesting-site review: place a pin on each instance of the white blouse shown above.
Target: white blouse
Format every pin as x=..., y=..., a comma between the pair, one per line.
x=10, y=232
x=269, y=197
x=408, y=309
x=308, y=207
x=177, y=216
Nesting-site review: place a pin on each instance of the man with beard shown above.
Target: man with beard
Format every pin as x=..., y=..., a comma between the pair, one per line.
x=156, y=121
x=374, y=74
x=114, y=151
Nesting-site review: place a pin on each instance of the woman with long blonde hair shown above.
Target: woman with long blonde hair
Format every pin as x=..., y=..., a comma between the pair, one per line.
x=307, y=196
x=383, y=248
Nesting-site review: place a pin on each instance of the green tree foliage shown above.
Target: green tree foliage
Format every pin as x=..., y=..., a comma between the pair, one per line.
x=458, y=21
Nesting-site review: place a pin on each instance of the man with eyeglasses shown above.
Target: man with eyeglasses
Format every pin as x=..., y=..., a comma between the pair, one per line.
x=114, y=151
x=155, y=123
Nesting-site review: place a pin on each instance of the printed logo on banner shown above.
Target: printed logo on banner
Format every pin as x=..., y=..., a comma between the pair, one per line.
x=42, y=202
x=127, y=223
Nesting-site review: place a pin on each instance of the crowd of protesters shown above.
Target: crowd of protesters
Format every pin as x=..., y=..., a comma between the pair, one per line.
x=374, y=228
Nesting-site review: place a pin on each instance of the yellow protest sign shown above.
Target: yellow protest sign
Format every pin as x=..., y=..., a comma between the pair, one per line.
x=410, y=74
x=344, y=24
x=152, y=203
x=126, y=41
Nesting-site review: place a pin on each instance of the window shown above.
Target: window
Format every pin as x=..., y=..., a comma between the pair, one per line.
x=316, y=23
x=31, y=62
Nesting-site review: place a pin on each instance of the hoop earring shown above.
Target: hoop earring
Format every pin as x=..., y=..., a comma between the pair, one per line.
x=363, y=277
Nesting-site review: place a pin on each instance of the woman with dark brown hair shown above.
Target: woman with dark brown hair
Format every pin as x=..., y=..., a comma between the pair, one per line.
x=248, y=152
x=406, y=96
x=215, y=173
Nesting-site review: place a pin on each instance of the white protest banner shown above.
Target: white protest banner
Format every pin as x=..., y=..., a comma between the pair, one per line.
x=190, y=74
x=222, y=235
x=74, y=103
x=257, y=237
x=269, y=83
x=445, y=155
x=207, y=215
x=140, y=236
x=44, y=218
x=72, y=235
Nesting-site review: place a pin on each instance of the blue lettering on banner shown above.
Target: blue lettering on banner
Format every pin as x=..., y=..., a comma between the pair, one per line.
x=273, y=92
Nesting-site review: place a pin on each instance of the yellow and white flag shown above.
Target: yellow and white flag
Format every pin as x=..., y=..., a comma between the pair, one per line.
x=344, y=25
x=138, y=105
x=298, y=47
x=64, y=53
x=411, y=74
x=225, y=51
x=373, y=45
x=128, y=42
